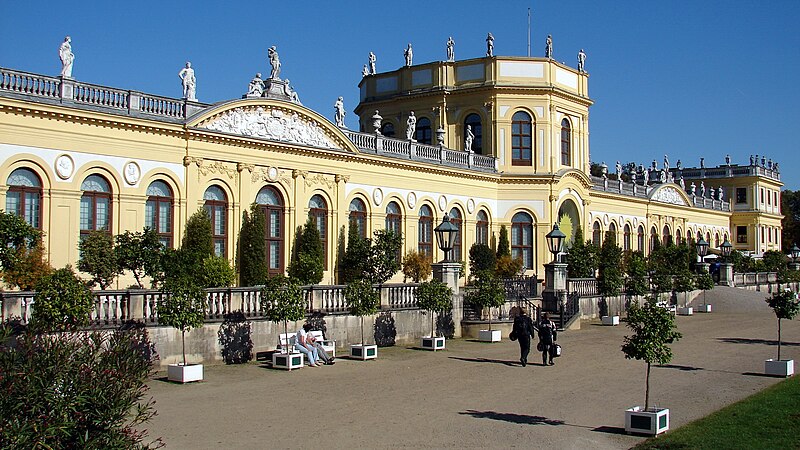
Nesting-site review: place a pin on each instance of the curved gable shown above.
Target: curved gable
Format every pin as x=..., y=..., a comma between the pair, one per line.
x=579, y=176
x=671, y=194
x=273, y=121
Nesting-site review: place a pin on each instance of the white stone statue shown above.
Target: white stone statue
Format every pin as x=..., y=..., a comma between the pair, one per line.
x=256, y=87
x=67, y=57
x=275, y=62
x=376, y=122
x=364, y=71
x=451, y=49
x=469, y=136
x=702, y=163
x=721, y=193
x=287, y=89
x=411, y=126
x=548, y=47
x=489, y=45
x=646, y=177
x=692, y=189
x=666, y=162
x=702, y=189
x=372, y=63
x=727, y=160
x=409, y=55
x=188, y=81
x=581, y=61
x=339, y=112
x=682, y=184
x=618, y=170
x=679, y=164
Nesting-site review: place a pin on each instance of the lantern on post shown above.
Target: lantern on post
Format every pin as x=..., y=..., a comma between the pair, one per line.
x=446, y=234
x=555, y=241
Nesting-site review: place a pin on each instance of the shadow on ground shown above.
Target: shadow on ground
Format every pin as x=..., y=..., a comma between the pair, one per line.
x=609, y=430
x=512, y=417
x=486, y=360
x=757, y=341
x=679, y=367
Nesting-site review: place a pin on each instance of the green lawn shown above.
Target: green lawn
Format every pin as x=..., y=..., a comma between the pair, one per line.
x=766, y=420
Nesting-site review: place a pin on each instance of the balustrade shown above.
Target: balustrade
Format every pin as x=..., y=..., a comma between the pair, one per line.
x=29, y=84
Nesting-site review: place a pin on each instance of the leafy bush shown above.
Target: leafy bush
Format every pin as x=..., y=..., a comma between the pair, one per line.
x=63, y=302
x=28, y=268
x=15, y=233
x=353, y=264
x=282, y=301
x=217, y=272
x=481, y=257
x=182, y=306
x=704, y=281
x=508, y=267
x=416, y=266
x=252, y=252
x=363, y=300
x=581, y=257
x=198, y=237
x=684, y=282
x=383, y=261
x=637, y=282
x=235, y=339
x=308, y=258
x=503, y=246
x=436, y=297
x=488, y=292
x=141, y=253
x=76, y=390
x=609, y=280
x=98, y=259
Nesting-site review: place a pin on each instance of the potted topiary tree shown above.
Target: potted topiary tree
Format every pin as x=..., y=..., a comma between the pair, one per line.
x=609, y=279
x=282, y=301
x=704, y=282
x=363, y=300
x=488, y=293
x=684, y=282
x=786, y=306
x=434, y=297
x=654, y=329
x=182, y=306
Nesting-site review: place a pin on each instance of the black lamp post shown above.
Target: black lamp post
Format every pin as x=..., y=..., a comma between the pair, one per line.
x=726, y=249
x=795, y=253
x=446, y=234
x=702, y=250
x=726, y=268
x=555, y=241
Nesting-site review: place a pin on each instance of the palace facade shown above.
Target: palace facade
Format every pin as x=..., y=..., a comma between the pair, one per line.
x=496, y=141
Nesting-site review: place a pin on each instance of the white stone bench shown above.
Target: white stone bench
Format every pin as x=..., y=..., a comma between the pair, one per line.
x=288, y=339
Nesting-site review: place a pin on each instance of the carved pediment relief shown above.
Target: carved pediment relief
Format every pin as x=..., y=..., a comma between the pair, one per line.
x=669, y=194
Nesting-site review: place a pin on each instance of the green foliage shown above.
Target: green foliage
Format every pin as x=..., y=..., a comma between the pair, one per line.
x=28, y=268
x=252, y=251
x=508, y=267
x=416, y=266
x=63, y=302
x=98, y=259
x=198, y=237
x=15, y=233
x=217, y=272
x=362, y=299
x=790, y=224
x=76, y=390
x=774, y=261
x=182, y=306
x=638, y=282
x=609, y=279
x=282, y=300
x=354, y=262
x=503, y=246
x=383, y=261
x=141, y=253
x=704, y=281
x=684, y=281
x=581, y=257
x=481, y=258
x=653, y=330
x=786, y=305
x=436, y=297
x=308, y=258
x=488, y=292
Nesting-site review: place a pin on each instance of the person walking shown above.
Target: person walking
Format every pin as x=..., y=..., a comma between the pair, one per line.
x=522, y=331
x=547, y=338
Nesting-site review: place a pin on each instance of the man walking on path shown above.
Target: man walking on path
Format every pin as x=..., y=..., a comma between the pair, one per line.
x=523, y=331
x=547, y=338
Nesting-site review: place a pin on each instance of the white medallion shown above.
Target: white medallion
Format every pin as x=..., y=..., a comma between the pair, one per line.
x=605, y=219
x=412, y=200
x=272, y=174
x=132, y=173
x=377, y=196
x=442, y=202
x=64, y=166
x=470, y=206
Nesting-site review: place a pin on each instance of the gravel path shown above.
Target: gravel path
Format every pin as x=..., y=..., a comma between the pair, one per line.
x=477, y=395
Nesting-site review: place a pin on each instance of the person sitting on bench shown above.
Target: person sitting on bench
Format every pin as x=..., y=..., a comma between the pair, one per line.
x=312, y=340
x=302, y=345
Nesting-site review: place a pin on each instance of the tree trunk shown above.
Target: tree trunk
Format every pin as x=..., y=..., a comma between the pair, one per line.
x=779, y=339
x=647, y=389
x=183, y=346
x=433, y=329
x=289, y=346
x=362, y=334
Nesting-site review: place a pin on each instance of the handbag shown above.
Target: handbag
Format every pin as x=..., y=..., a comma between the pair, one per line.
x=539, y=347
x=512, y=335
x=556, y=350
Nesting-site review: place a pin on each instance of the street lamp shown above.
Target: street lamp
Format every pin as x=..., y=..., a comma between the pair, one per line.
x=555, y=240
x=727, y=248
x=446, y=234
x=726, y=268
x=795, y=252
x=702, y=248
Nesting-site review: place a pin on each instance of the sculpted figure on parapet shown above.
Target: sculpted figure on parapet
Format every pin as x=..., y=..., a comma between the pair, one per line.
x=275, y=62
x=67, y=57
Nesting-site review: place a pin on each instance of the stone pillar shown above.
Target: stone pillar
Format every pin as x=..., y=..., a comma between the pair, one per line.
x=555, y=285
x=702, y=267
x=67, y=89
x=726, y=274
x=447, y=273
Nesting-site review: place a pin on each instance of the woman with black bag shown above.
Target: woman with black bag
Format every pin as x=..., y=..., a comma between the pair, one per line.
x=522, y=333
x=547, y=338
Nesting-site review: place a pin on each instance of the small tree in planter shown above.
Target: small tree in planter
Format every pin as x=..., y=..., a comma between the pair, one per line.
x=684, y=282
x=786, y=306
x=609, y=280
x=654, y=329
x=434, y=297
x=281, y=301
x=182, y=306
x=363, y=300
x=705, y=282
x=637, y=282
x=488, y=293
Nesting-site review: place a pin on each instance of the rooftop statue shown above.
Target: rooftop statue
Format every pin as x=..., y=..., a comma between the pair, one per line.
x=645, y=177
x=339, y=112
x=364, y=71
x=67, y=57
x=682, y=184
x=692, y=189
x=411, y=126
x=188, y=81
x=702, y=189
x=489, y=45
x=275, y=62
x=581, y=61
x=702, y=163
x=376, y=121
x=679, y=165
x=618, y=170
x=752, y=160
x=451, y=49
x=256, y=87
x=666, y=162
x=548, y=47
x=469, y=136
x=409, y=55
x=727, y=160
x=287, y=89
x=372, y=63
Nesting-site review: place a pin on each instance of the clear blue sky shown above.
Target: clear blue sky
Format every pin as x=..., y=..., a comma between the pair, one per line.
x=685, y=78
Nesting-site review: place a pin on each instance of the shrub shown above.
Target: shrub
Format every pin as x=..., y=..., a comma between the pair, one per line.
x=198, y=237
x=217, y=272
x=353, y=264
x=436, y=297
x=581, y=257
x=15, y=233
x=363, y=300
x=684, y=282
x=481, y=258
x=383, y=261
x=637, y=282
x=183, y=306
x=503, y=246
x=252, y=252
x=308, y=258
x=97, y=258
x=140, y=252
x=235, y=339
x=488, y=292
x=28, y=268
x=416, y=266
x=282, y=301
x=508, y=267
x=609, y=280
x=63, y=302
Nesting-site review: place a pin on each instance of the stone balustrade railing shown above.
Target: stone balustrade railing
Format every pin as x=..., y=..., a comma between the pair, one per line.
x=114, y=307
x=585, y=287
x=637, y=190
x=754, y=278
x=729, y=172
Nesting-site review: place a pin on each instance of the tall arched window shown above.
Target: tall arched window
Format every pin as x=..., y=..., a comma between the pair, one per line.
x=716, y=239
x=387, y=129
x=597, y=234
x=522, y=238
x=455, y=219
x=612, y=231
x=521, y=139
x=653, y=238
x=422, y=132
x=24, y=196
x=474, y=121
x=158, y=211
x=358, y=216
x=425, y=242
x=666, y=239
x=688, y=237
x=566, y=143
x=95, y=205
x=626, y=237
x=271, y=203
x=318, y=212
x=216, y=204
x=640, y=238
x=394, y=217
x=482, y=228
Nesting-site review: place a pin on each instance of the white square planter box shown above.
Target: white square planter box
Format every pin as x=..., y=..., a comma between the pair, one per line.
x=433, y=343
x=782, y=368
x=651, y=422
x=287, y=361
x=185, y=374
x=364, y=352
x=489, y=335
x=687, y=311
x=702, y=308
x=610, y=320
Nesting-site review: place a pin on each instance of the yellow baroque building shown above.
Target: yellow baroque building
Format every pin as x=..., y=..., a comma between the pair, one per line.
x=494, y=141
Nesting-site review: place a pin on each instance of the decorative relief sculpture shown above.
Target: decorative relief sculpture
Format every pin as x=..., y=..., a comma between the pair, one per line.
x=411, y=126
x=273, y=124
x=408, y=53
x=470, y=206
x=581, y=61
x=318, y=180
x=669, y=195
x=132, y=173
x=216, y=167
x=256, y=87
x=339, y=112
x=275, y=62
x=411, y=198
x=442, y=202
x=377, y=196
x=372, y=59
x=291, y=93
x=67, y=57
x=188, y=82
x=451, y=49
x=489, y=45
x=64, y=167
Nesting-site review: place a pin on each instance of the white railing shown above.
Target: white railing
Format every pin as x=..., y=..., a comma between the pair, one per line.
x=100, y=96
x=29, y=84
x=161, y=106
x=429, y=152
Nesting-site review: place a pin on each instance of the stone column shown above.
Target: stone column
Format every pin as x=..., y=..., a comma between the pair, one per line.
x=726, y=274
x=447, y=273
x=555, y=285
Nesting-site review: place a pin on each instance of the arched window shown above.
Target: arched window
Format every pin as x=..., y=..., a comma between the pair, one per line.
x=653, y=238
x=318, y=212
x=678, y=236
x=566, y=143
x=521, y=139
x=158, y=211
x=626, y=237
x=612, y=231
x=425, y=243
x=387, y=129
x=271, y=203
x=688, y=237
x=358, y=216
x=640, y=238
x=708, y=237
x=95, y=205
x=522, y=238
x=24, y=196
x=482, y=228
x=474, y=121
x=597, y=234
x=394, y=217
x=716, y=239
x=455, y=219
x=423, y=131
x=666, y=239
x=216, y=204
